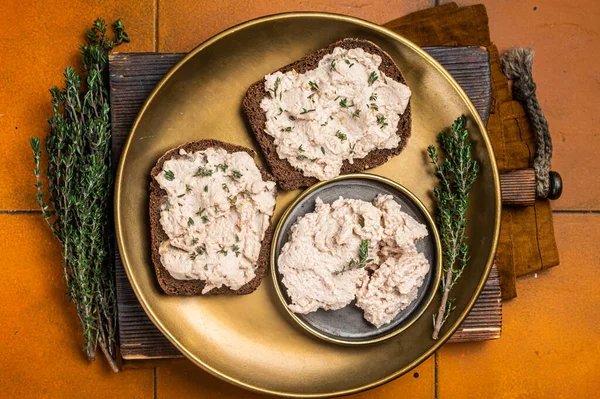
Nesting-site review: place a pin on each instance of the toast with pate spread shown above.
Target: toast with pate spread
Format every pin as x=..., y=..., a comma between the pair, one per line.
x=210, y=219
x=342, y=109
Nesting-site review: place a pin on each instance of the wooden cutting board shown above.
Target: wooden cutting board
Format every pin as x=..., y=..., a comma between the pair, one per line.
x=132, y=78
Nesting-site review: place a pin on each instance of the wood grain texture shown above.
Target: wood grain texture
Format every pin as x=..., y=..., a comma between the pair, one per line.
x=138, y=337
x=485, y=320
x=132, y=78
x=518, y=187
x=469, y=66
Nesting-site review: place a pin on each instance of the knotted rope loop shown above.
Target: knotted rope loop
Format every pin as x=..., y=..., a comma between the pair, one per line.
x=517, y=65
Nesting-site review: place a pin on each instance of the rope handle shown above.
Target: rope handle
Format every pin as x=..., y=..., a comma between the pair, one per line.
x=517, y=65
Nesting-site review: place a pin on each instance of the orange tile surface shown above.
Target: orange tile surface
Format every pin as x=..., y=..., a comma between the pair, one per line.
x=38, y=39
x=41, y=339
x=550, y=345
x=551, y=340
x=183, y=24
x=182, y=379
x=566, y=37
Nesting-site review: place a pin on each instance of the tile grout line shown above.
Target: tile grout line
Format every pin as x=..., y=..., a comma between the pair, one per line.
x=19, y=211
x=155, y=26
x=435, y=376
x=155, y=392
x=577, y=211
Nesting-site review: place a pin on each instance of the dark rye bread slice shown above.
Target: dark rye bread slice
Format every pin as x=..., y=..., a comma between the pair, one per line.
x=168, y=283
x=287, y=176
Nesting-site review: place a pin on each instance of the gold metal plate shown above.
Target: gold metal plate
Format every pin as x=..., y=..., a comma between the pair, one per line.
x=250, y=340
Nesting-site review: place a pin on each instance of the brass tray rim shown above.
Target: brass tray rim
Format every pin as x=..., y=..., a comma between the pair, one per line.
x=414, y=316
x=458, y=89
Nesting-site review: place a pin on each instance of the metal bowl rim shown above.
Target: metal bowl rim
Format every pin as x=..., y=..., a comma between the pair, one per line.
x=424, y=302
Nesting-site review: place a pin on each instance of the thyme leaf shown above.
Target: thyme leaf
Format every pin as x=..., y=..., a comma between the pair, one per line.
x=363, y=259
x=381, y=121
x=202, y=171
x=344, y=103
x=275, y=87
x=372, y=78
x=169, y=175
x=222, y=166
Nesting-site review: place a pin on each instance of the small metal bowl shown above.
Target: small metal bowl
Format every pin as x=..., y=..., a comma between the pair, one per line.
x=347, y=325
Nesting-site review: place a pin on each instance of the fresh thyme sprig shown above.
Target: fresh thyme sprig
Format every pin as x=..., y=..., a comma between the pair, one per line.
x=79, y=184
x=363, y=259
x=456, y=175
